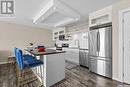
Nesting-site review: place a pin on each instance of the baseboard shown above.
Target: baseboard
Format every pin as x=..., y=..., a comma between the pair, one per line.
x=3, y=62
x=116, y=79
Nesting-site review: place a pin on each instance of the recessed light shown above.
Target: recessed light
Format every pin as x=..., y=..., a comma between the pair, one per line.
x=35, y=23
x=54, y=8
x=42, y=17
x=76, y=19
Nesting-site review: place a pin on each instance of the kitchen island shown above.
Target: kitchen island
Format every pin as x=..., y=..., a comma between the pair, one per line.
x=53, y=69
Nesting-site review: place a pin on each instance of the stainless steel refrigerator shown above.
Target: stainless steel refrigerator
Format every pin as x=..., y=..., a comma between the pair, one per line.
x=100, y=49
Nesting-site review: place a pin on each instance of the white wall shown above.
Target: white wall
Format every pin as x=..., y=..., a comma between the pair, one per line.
x=83, y=40
x=79, y=32
x=13, y=35
x=116, y=42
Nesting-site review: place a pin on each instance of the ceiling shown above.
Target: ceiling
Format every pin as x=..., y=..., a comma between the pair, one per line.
x=26, y=10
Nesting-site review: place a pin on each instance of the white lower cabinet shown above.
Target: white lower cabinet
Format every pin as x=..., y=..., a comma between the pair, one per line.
x=72, y=55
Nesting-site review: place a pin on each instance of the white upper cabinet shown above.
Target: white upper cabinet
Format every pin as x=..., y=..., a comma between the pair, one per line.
x=101, y=16
x=57, y=32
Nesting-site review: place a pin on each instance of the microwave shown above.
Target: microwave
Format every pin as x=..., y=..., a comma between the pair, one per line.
x=61, y=37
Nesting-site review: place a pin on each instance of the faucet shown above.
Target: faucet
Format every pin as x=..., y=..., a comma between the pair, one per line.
x=77, y=41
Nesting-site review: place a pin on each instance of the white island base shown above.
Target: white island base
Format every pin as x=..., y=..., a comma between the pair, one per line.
x=53, y=69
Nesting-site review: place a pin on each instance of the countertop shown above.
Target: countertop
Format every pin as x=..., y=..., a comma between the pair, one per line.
x=83, y=49
x=47, y=52
x=71, y=48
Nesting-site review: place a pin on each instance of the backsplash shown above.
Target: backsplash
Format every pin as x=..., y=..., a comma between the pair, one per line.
x=79, y=33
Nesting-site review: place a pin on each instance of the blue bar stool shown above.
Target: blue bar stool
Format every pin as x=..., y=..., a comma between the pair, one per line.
x=25, y=57
x=26, y=62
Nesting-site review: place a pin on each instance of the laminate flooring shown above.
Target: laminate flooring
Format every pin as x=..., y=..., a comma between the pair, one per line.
x=76, y=76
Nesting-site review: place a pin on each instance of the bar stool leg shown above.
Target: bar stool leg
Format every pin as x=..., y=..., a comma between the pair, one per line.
x=41, y=71
x=19, y=78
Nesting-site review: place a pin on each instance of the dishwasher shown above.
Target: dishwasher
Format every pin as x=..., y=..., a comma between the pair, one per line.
x=83, y=57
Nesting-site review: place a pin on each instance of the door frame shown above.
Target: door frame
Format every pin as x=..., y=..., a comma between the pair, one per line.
x=121, y=45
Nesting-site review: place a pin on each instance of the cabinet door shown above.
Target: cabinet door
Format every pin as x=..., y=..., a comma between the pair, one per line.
x=67, y=56
x=127, y=47
x=55, y=35
x=75, y=57
x=86, y=59
x=81, y=58
x=72, y=56
x=61, y=32
x=100, y=16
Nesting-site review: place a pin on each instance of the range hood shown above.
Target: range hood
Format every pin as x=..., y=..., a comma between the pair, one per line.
x=56, y=14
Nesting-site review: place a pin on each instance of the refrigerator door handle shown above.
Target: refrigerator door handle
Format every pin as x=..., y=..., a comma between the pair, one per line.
x=98, y=41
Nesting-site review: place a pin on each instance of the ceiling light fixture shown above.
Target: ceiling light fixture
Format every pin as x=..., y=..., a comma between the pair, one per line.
x=56, y=13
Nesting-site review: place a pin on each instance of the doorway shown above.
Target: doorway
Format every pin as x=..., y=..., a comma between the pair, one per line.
x=125, y=26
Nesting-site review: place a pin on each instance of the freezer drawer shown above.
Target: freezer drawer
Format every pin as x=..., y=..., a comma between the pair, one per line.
x=101, y=66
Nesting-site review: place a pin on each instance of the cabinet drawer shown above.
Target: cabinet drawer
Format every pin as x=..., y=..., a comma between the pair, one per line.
x=72, y=56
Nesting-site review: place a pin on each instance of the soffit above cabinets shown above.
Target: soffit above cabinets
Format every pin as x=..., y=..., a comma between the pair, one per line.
x=56, y=14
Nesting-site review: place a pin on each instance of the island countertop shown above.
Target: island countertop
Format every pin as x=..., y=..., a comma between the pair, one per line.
x=47, y=52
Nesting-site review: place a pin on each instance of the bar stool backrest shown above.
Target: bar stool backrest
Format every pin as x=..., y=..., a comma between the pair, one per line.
x=16, y=55
x=19, y=57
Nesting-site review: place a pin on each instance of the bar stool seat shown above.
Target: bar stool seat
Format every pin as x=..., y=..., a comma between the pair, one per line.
x=28, y=57
x=32, y=63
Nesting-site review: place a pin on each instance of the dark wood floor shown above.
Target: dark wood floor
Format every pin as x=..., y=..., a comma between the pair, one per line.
x=76, y=76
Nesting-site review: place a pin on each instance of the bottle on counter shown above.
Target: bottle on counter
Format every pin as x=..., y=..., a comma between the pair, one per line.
x=31, y=47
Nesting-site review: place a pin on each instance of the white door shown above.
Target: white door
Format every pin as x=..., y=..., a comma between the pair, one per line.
x=126, y=27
